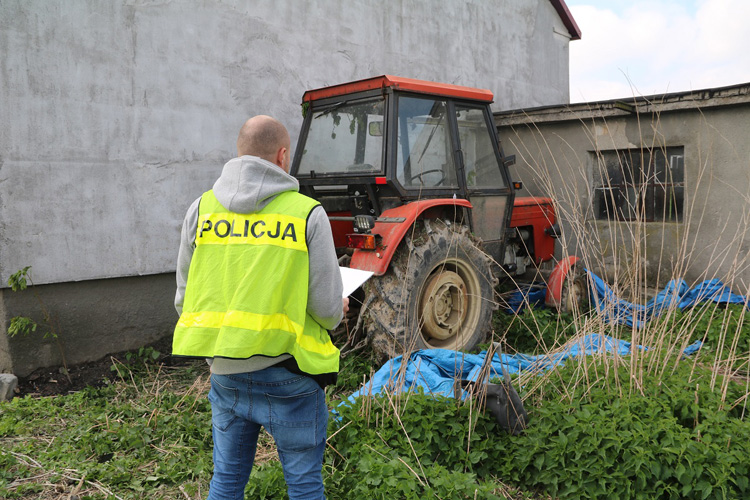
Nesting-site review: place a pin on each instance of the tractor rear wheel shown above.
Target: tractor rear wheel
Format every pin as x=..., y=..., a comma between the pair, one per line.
x=437, y=293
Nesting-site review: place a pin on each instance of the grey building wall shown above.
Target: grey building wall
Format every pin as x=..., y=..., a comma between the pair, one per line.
x=556, y=148
x=118, y=114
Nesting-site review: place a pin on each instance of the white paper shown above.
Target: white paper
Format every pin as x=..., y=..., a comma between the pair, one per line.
x=353, y=279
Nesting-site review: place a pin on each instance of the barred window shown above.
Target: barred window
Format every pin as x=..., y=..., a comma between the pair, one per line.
x=639, y=184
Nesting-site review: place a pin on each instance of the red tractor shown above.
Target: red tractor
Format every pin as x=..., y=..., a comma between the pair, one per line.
x=418, y=192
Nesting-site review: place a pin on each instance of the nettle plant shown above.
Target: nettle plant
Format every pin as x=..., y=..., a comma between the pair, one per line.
x=24, y=325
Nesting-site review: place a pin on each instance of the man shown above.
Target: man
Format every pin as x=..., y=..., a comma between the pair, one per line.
x=258, y=286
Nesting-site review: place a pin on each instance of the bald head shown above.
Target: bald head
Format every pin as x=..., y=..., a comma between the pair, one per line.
x=266, y=138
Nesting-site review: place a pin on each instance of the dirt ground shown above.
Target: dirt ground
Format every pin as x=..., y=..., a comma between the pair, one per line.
x=51, y=381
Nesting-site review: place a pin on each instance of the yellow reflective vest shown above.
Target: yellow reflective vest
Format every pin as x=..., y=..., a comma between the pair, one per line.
x=247, y=286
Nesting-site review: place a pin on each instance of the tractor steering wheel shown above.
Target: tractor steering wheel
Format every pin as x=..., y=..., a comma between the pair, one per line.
x=433, y=170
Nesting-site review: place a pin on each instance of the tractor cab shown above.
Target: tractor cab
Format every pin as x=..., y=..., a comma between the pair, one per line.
x=372, y=146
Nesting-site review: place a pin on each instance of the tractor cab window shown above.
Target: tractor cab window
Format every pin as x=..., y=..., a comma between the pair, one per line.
x=424, y=157
x=478, y=151
x=346, y=138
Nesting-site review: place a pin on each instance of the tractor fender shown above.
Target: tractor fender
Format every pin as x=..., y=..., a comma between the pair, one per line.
x=392, y=233
x=553, y=297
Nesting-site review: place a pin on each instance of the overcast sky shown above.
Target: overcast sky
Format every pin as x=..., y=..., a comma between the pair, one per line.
x=640, y=47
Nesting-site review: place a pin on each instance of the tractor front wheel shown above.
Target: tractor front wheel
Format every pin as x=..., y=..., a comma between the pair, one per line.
x=437, y=293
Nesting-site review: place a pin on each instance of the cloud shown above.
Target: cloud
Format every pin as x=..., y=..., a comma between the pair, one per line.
x=644, y=48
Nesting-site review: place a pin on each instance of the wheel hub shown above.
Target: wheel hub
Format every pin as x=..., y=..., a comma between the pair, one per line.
x=444, y=307
x=573, y=295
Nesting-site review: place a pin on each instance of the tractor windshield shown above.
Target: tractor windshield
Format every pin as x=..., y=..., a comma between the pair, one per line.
x=345, y=138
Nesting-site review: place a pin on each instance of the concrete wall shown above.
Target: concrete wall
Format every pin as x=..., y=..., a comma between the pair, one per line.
x=118, y=114
x=556, y=150
x=92, y=318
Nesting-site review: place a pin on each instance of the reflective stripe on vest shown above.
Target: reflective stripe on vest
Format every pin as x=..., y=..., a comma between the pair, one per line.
x=247, y=287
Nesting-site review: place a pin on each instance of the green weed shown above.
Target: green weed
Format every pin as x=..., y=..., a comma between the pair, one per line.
x=140, y=436
x=534, y=331
x=672, y=440
x=427, y=450
x=24, y=325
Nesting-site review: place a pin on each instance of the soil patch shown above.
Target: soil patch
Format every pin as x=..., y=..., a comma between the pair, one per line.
x=51, y=381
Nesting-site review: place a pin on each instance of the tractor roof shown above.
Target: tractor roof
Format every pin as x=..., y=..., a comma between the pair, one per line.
x=399, y=83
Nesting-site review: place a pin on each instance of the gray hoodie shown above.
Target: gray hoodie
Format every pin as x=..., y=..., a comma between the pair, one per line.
x=246, y=185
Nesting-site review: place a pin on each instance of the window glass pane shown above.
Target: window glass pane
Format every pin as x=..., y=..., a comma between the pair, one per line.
x=346, y=138
x=626, y=166
x=608, y=201
x=424, y=155
x=480, y=160
x=647, y=202
x=676, y=200
x=631, y=203
x=668, y=203
x=636, y=166
x=661, y=172
x=613, y=173
x=670, y=165
x=608, y=184
x=676, y=166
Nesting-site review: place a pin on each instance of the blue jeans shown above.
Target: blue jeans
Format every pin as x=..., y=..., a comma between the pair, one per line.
x=293, y=410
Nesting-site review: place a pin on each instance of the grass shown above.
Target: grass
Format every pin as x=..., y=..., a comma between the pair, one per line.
x=146, y=432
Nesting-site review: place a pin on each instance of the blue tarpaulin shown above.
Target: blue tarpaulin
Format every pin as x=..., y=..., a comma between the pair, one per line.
x=677, y=293
x=532, y=295
x=436, y=370
x=618, y=311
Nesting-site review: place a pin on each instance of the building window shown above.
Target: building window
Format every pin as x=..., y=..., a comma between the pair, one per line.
x=639, y=184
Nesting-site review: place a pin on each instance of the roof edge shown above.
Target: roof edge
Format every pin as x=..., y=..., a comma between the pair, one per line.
x=738, y=94
x=567, y=18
